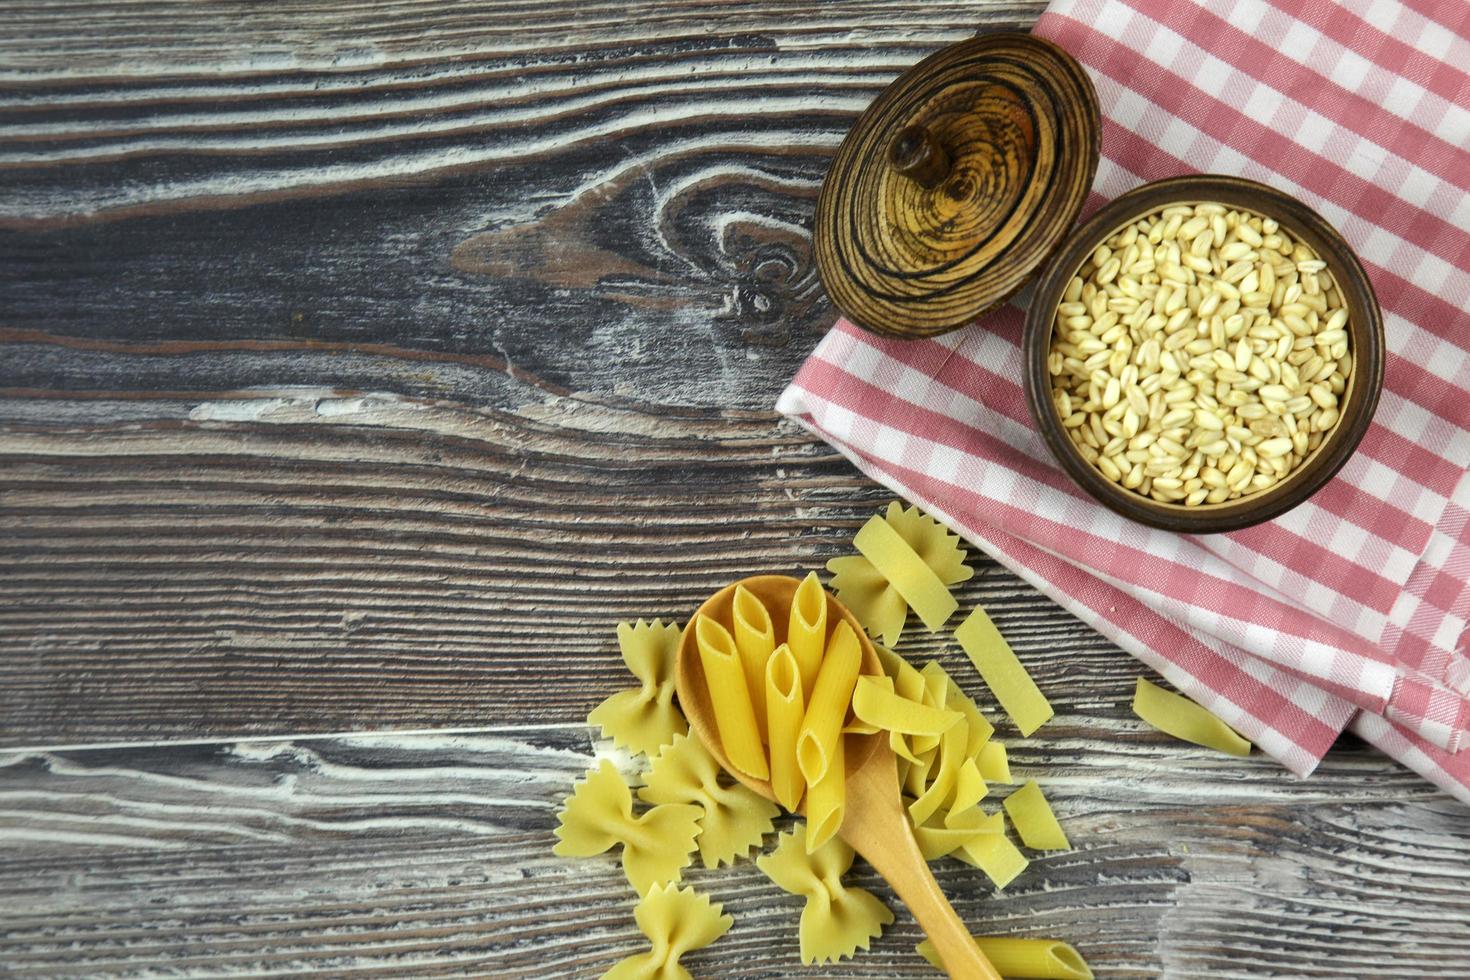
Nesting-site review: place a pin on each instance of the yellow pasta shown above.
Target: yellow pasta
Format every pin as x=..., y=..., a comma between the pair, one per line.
x=599, y=814
x=1176, y=715
x=784, y=711
x=837, y=920
x=1003, y=673
x=724, y=674
x=875, y=601
x=901, y=565
x=734, y=818
x=1034, y=820
x=996, y=856
x=826, y=801
x=755, y=638
x=875, y=702
x=675, y=920
x=993, y=764
x=1028, y=959
x=936, y=842
x=943, y=776
x=969, y=790
x=827, y=707
x=806, y=632
x=644, y=719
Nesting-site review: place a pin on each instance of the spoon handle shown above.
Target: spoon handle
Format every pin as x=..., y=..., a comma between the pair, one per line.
x=879, y=831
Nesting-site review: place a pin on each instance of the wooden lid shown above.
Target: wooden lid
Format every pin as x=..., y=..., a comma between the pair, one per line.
x=949, y=191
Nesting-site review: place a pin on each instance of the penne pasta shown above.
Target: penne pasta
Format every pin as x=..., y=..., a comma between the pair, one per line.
x=806, y=632
x=734, y=713
x=875, y=702
x=1003, y=673
x=826, y=801
x=826, y=709
x=906, y=571
x=1034, y=820
x=1176, y=715
x=784, y=709
x=755, y=638
x=1028, y=959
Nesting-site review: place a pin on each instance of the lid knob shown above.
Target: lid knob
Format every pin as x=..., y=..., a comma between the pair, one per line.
x=916, y=153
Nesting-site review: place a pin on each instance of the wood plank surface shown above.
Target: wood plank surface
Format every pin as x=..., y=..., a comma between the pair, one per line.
x=362, y=362
x=430, y=856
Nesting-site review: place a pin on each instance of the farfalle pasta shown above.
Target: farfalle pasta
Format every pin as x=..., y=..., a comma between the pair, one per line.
x=837, y=920
x=734, y=819
x=907, y=559
x=675, y=920
x=599, y=815
x=644, y=718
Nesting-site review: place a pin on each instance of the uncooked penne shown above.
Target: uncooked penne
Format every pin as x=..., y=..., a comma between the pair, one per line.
x=1176, y=715
x=806, y=633
x=821, y=727
x=826, y=800
x=784, y=709
x=755, y=638
x=734, y=714
x=1003, y=672
x=925, y=593
x=1029, y=959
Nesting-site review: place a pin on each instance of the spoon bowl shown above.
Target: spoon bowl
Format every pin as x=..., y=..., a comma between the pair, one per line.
x=875, y=823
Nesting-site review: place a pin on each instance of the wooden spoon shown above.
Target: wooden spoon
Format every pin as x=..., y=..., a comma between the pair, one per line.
x=875, y=823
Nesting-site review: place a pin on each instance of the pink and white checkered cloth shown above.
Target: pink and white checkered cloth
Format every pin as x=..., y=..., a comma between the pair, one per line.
x=1352, y=608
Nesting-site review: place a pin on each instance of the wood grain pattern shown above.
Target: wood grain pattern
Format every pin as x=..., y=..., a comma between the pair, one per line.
x=361, y=363
x=431, y=856
x=956, y=183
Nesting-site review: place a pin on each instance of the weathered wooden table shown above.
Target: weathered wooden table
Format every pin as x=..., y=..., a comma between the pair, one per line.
x=363, y=363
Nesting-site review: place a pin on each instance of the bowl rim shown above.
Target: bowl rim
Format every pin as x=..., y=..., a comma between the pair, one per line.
x=1365, y=323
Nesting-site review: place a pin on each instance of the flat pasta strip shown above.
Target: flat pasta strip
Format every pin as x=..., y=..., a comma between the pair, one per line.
x=901, y=565
x=755, y=638
x=937, y=842
x=675, y=920
x=875, y=702
x=806, y=630
x=993, y=764
x=734, y=818
x=724, y=676
x=875, y=600
x=1034, y=820
x=644, y=718
x=996, y=856
x=943, y=778
x=969, y=790
x=837, y=920
x=1029, y=959
x=1176, y=715
x=1003, y=672
x=785, y=707
x=826, y=709
x=599, y=814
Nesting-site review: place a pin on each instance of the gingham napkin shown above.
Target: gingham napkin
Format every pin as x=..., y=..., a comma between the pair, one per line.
x=1352, y=608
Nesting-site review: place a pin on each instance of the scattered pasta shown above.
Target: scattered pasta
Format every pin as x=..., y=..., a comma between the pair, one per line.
x=996, y=856
x=644, y=718
x=675, y=920
x=734, y=819
x=1003, y=672
x=599, y=814
x=921, y=555
x=1176, y=715
x=1034, y=820
x=837, y=920
x=1030, y=959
